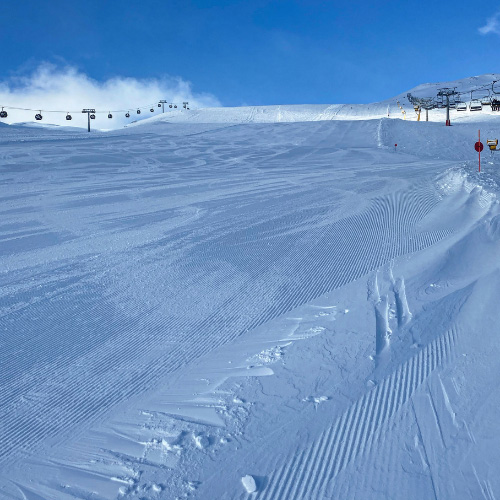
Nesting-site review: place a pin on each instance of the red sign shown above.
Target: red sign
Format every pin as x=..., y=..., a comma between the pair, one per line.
x=478, y=146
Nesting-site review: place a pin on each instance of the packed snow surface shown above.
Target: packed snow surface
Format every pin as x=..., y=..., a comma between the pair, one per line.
x=220, y=310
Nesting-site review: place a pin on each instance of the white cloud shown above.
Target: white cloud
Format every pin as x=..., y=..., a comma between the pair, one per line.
x=491, y=26
x=66, y=89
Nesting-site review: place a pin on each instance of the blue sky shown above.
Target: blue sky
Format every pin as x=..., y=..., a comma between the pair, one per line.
x=256, y=52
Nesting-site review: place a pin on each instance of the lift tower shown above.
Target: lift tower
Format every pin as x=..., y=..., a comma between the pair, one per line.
x=420, y=103
x=162, y=102
x=447, y=92
x=89, y=112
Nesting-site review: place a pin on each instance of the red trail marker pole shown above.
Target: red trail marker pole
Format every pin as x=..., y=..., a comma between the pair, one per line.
x=479, y=147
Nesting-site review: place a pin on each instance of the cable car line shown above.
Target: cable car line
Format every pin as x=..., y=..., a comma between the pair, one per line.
x=151, y=107
x=91, y=112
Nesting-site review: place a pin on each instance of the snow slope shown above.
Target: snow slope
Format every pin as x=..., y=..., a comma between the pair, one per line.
x=233, y=310
x=388, y=108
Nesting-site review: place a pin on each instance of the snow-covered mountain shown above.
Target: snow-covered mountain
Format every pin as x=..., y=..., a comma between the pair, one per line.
x=390, y=108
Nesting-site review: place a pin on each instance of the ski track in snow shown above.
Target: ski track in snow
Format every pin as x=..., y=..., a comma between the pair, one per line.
x=308, y=472
x=333, y=261
x=129, y=258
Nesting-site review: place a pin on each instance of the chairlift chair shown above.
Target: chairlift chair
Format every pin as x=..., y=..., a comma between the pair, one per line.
x=38, y=116
x=3, y=114
x=110, y=115
x=92, y=117
x=127, y=115
x=486, y=100
x=461, y=106
x=476, y=105
x=175, y=105
x=138, y=111
x=68, y=117
x=159, y=104
x=495, y=105
x=152, y=110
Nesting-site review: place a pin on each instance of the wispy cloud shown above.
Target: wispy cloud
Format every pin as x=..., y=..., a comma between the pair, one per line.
x=50, y=87
x=492, y=25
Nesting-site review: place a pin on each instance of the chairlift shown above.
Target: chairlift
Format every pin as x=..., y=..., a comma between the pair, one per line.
x=138, y=111
x=127, y=115
x=68, y=117
x=476, y=105
x=110, y=115
x=3, y=114
x=486, y=100
x=38, y=116
x=461, y=106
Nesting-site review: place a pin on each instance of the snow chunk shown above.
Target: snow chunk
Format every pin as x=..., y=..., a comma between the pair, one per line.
x=316, y=400
x=249, y=484
x=201, y=441
x=270, y=355
x=157, y=488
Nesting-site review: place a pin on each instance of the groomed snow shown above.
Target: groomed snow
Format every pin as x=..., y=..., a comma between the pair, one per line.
x=215, y=309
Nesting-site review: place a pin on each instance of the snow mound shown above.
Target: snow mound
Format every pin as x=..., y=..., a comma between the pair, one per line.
x=249, y=484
